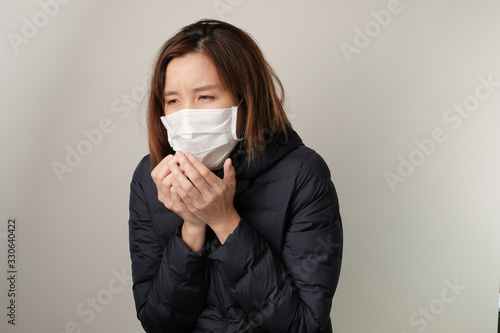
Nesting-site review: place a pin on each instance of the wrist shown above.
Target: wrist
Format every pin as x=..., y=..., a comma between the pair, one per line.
x=193, y=235
x=224, y=229
x=193, y=230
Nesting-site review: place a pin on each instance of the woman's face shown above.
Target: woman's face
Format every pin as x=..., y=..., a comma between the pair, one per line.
x=192, y=82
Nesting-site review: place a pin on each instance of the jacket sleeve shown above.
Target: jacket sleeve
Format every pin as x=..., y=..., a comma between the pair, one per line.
x=169, y=282
x=291, y=291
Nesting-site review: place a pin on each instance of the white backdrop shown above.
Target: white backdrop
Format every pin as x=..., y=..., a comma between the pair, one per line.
x=400, y=97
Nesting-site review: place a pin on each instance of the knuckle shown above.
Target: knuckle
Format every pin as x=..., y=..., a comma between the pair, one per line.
x=205, y=173
x=215, y=193
x=220, y=190
x=195, y=178
x=183, y=195
x=201, y=207
x=211, y=199
x=166, y=180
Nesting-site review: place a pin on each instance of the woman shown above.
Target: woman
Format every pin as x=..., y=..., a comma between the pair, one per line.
x=234, y=223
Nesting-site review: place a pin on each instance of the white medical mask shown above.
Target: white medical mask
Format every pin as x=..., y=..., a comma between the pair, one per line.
x=208, y=134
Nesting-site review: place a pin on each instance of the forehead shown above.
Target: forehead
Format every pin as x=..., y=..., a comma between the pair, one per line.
x=191, y=69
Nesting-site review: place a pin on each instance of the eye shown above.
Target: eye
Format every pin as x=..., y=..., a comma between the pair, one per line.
x=172, y=101
x=206, y=98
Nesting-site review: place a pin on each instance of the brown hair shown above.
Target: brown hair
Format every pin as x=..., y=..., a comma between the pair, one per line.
x=244, y=72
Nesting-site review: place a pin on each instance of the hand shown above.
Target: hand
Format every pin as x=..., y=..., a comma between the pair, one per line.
x=208, y=197
x=168, y=195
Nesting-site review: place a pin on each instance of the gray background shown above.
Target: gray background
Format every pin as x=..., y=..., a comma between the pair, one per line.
x=404, y=246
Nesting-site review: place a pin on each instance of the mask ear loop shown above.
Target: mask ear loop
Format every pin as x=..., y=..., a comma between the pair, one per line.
x=234, y=115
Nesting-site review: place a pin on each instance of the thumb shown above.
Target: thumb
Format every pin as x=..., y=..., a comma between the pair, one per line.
x=229, y=173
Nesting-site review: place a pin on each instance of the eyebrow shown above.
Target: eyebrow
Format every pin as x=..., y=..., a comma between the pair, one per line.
x=199, y=89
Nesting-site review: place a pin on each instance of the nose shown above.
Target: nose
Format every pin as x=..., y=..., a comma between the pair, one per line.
x=189, y=105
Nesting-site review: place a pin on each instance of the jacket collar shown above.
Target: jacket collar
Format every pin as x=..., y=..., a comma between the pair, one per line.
x=276, y=148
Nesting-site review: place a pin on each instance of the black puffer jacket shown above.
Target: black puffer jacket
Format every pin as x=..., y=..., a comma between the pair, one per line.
x=277, y=272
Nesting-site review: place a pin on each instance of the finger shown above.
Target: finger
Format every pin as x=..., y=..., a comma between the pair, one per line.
x=179, y=206
x=199, y=170
x=195, y=174
x=229, y=173
x=161, y=170
x=180, y=192
x=159, y=174
x=175, y=201
x=186, y=190
x=166, y=184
